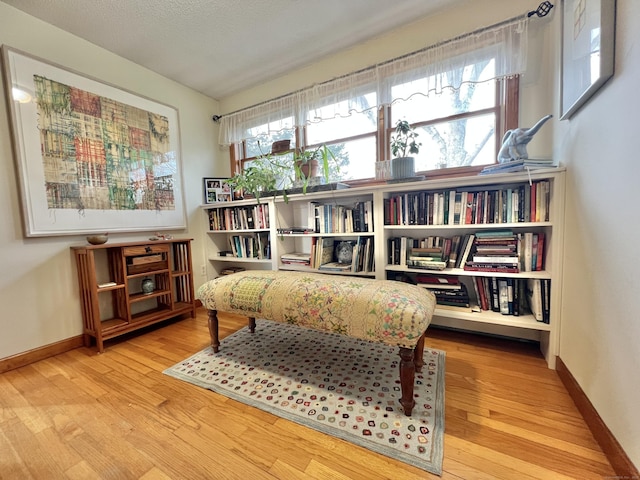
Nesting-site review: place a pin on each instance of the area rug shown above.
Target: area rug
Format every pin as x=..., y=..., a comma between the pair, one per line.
x=338, y=385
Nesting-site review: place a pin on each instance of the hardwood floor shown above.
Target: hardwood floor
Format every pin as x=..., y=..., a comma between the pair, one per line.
x=80, y=415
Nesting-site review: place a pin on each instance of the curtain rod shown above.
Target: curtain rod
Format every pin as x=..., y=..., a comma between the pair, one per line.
x=541, y=11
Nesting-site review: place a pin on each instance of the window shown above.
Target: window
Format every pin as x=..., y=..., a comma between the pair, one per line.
x=457, y=126
x=351, y=138
x=461, y=95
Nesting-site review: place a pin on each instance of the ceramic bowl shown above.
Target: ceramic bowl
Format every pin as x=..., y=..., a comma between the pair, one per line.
x=97, y=239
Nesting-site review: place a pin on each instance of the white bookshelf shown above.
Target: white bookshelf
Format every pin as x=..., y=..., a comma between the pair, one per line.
x=294, y=212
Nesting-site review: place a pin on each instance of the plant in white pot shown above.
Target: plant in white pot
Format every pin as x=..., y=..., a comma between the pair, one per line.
x=403, y=145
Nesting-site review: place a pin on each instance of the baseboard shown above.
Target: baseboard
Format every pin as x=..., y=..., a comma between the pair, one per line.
x=621, y=464
x=40, y=353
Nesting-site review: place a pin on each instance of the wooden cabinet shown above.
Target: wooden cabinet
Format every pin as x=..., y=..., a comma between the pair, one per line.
x=111, y=278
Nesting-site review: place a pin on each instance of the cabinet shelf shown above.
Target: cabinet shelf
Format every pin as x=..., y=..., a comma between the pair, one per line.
x=148, y=273
x=266, y=261
x=108, y=288
x=243, y=230
x=107, y=311
x=542, y=274
x=472, y=226
x=494, y=318
x=138, y=297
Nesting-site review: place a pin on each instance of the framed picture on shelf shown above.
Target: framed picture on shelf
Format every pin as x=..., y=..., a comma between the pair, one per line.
x=89, y=156
x=217, y=190
x=588, y=37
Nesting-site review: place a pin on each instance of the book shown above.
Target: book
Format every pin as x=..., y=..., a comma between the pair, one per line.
x=467, y=249
x=335, y=267
x=427, y=265
x=534, y=297
x=438, y=281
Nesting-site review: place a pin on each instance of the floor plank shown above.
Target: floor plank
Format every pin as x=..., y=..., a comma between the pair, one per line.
x=115, y=415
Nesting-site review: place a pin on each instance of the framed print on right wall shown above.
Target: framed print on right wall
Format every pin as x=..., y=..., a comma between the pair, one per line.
x=588, y=38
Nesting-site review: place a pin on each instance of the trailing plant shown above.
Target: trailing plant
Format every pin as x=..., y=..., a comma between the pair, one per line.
x=278, y=173
x=404, y=141
x=261, y=176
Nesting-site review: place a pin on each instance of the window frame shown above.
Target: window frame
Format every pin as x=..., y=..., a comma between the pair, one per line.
x=506, y=111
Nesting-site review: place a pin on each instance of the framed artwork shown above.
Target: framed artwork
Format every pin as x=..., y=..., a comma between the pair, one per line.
x=588, y=38
x=217, y=190
x=90, y=157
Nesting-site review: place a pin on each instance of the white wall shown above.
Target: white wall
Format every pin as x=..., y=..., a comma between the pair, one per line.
x=38, y=285
x=600, y=335
x=601, y=322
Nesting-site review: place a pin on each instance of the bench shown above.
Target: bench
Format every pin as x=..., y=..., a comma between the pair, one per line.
x=383, y=311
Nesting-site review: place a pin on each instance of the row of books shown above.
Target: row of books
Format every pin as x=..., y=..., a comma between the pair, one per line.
x=505, y=204
x=324, y=255
x=508, y=296
x=239, y=218
x=249, y=246
x=489, y=251
x=514, y=296
x=330, y=218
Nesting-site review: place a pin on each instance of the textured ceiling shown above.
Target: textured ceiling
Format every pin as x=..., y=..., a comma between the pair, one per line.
x=219, y=47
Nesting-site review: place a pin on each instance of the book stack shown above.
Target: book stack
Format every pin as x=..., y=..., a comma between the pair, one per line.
x=429, y=258
x=296, y=258
x=517, y=166
x=449, y=291
x=231, y=270
x=494, y=251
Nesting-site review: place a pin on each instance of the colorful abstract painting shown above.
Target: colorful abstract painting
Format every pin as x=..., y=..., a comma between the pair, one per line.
x=98, y=153
x=91, y=157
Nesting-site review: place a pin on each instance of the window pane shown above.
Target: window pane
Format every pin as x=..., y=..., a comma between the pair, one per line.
x=262, y=136
x=355, y=159
x=336, y=125
x=463, y=142
x=444, y=102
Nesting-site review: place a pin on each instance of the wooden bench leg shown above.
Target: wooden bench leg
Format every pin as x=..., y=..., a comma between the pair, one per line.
x=252, y=325
x=419, y=354
x=407, y=378
x=213, y=330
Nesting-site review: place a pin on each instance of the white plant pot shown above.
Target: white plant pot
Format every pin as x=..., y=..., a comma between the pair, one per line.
x=402, y=167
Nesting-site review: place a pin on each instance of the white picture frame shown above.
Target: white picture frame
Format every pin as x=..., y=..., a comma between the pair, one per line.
x=90, y=157
x=588, y=51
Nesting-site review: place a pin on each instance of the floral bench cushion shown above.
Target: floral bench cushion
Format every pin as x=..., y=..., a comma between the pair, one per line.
x=385, y=311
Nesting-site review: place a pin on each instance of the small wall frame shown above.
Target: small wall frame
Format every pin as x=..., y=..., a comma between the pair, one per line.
x=216, y=190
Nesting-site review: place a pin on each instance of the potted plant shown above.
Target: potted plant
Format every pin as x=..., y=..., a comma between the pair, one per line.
x=307, y=162
x=260, y=177
x=403, y=144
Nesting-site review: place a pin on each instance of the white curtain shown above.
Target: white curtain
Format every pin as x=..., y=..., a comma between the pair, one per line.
x=505, y=43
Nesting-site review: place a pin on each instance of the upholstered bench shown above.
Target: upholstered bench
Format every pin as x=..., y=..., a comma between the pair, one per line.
x=384, y=311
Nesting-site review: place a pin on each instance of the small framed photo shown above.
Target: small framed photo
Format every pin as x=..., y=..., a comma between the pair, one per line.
x=217, y=190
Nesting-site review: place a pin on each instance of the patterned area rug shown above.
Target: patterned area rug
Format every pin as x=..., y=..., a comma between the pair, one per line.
x=341, y=386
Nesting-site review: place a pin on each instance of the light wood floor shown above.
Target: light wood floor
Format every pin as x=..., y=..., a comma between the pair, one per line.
x=80, y=415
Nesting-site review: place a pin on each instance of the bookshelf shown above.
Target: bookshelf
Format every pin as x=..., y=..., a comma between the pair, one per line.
x=239, y=234
x=297, y=226
x=112, y=281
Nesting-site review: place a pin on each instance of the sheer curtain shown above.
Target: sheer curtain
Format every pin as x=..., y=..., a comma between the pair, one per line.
x=505, y=43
